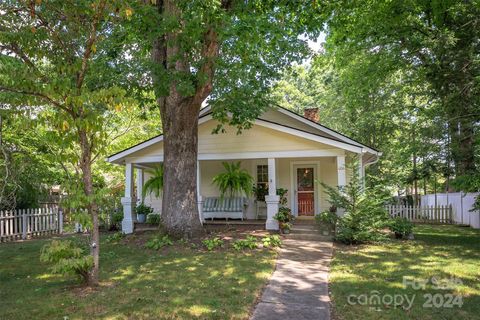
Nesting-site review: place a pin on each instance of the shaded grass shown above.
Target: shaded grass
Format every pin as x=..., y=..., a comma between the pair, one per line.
x=442, y=252
x=181, y=283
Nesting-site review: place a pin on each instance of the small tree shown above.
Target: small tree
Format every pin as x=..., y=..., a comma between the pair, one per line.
x=61, y=57
x=364, y=216
x=67, y=257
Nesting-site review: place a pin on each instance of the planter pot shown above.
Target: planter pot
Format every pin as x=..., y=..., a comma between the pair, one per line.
x=141, y=218
x=286, y=231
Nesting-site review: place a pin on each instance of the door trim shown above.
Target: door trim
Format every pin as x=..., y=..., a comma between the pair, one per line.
x=316, y=165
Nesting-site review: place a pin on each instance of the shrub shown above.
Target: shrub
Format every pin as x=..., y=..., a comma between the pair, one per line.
x=153, y=219
x=117, y=236
x=67, y=258
x=158, y=242
x=249, y=243
x=401, y=226
x=117, y=219
x=271, y=241
x=212, y=244
x=364, y=213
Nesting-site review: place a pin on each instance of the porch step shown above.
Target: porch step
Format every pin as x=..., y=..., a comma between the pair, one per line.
x=307, y=230
x=304, y=228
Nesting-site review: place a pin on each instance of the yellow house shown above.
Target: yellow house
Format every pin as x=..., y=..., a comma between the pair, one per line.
x=281, y=150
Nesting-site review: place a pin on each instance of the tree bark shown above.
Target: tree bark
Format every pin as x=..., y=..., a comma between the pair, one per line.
x=87, y=179
x=179, y=207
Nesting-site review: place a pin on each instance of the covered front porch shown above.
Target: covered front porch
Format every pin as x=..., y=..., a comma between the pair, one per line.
x=298, y=172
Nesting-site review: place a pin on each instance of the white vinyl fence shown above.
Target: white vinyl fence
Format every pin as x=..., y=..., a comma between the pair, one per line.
x=424, y=214
x=461, y=203
x=29, y=223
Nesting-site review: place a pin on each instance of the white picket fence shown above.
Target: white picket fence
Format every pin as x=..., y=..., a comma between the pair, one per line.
x=424, y=214
x=29, y=223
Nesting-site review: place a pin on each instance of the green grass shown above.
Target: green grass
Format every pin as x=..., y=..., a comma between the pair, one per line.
x=437, y=251
x=136, y=283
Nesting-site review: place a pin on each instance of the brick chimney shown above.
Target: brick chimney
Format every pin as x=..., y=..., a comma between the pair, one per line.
x=311, y=114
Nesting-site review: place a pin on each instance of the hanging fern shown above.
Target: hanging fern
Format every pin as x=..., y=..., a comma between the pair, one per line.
x=234, y=181
x=155, y=183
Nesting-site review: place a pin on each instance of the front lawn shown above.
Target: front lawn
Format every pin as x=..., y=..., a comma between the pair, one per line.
x=360, y=274
x=178, y=283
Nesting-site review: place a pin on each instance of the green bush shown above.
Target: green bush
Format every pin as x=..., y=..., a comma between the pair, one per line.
x=249, y=243
x=401, y=226
x=271, y=241
x=117, y=219
x=153, y=219
x=213, y=243
x=158, y=242
x=117, y=236
x=67, y=257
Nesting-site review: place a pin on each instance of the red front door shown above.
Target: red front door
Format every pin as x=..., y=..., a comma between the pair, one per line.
x=305, y=190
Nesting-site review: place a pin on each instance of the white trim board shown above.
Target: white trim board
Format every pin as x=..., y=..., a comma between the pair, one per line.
x=247, y=155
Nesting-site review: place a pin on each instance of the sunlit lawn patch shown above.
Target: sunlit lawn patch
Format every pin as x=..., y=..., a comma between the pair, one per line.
x=442, y=252
x=137, y=283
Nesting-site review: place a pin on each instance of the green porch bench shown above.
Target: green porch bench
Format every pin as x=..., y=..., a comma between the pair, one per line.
x=226, y=208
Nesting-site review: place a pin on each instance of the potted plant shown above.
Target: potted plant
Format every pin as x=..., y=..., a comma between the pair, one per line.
x=260, y=191
x=286, y=227
x=284, y=217
x=234, y=180
x=142, y=212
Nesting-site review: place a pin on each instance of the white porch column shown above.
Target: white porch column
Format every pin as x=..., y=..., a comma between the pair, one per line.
x=341, y=172
x=272, y=199
x=199, y=194
x=361, y=171
x=140, y=178
x=128, y=201
x=341, y=178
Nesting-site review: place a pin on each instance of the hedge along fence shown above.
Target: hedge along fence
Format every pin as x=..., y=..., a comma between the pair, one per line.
x=30, y=223
x=424, y=214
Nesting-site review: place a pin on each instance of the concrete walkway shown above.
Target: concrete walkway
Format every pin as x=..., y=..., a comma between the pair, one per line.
x=298, y=289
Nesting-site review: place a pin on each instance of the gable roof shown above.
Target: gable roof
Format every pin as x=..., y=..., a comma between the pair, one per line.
x=318, y=133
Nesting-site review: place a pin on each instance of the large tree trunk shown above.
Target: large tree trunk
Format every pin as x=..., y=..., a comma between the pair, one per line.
x=180, y=122
x=179, y=207
x=86, y=166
